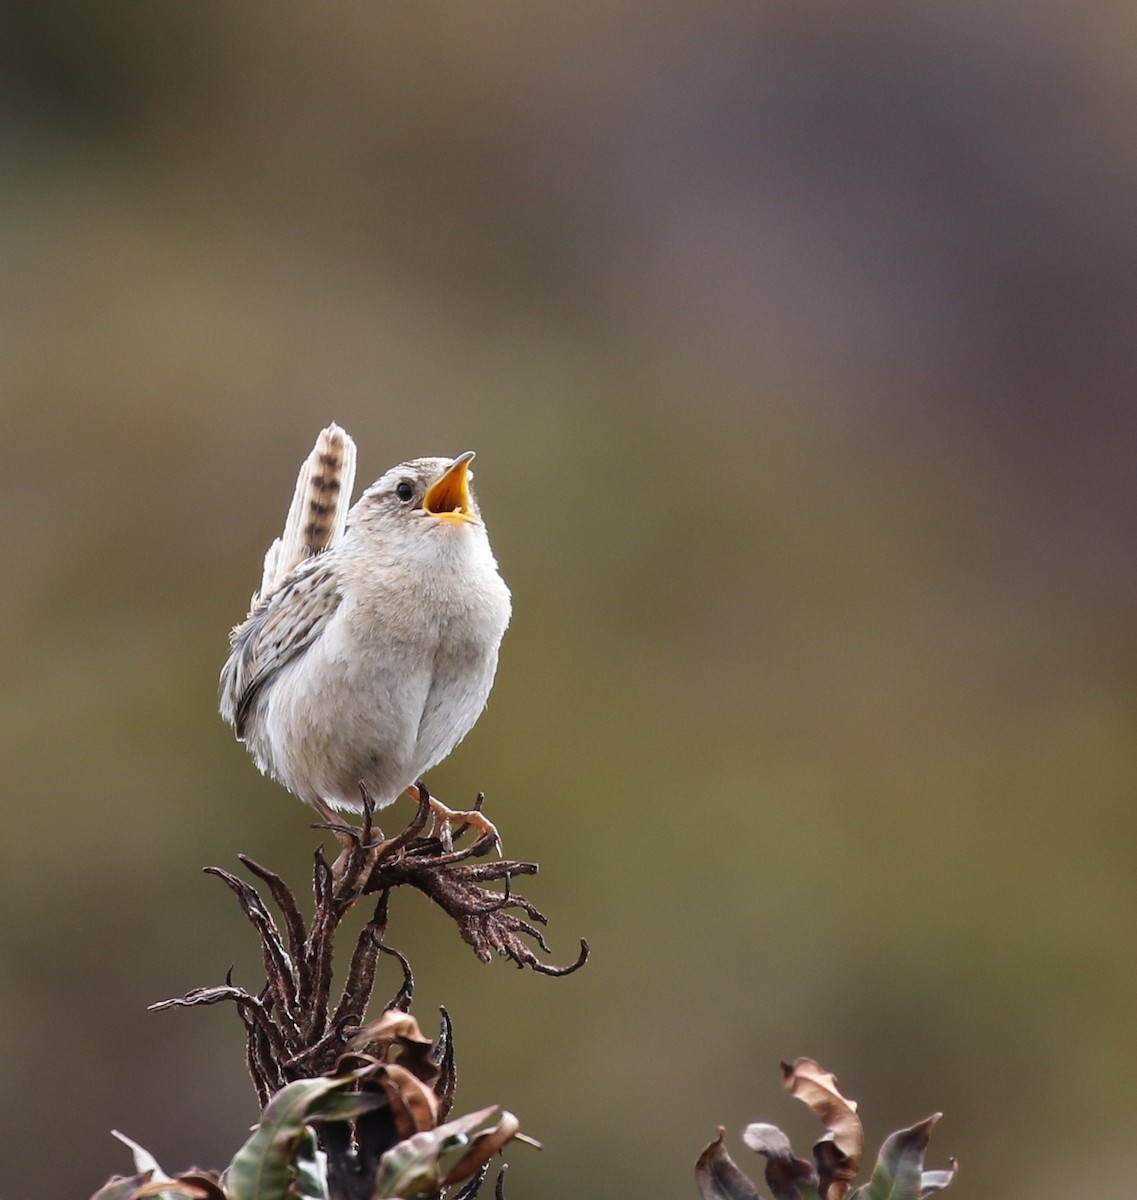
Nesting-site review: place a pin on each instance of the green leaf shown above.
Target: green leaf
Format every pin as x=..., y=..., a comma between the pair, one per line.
x=265, y=1166
x=346, y=1106
x=311, y=1169
x=899, y=1170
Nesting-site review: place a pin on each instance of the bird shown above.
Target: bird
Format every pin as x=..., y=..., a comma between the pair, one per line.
x=370, y=649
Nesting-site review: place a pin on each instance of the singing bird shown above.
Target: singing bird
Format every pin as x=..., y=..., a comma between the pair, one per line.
x=370, y=649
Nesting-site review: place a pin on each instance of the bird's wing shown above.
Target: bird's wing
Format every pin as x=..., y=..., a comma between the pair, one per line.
x=318, y=512
x=280, y=627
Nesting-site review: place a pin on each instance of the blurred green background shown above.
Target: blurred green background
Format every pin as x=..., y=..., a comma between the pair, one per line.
x=798, y=344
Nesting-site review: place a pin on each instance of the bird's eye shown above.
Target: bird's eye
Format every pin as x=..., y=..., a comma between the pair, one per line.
x=405, y=490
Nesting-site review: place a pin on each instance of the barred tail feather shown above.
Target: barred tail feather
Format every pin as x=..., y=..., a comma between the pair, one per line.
x=318, y=512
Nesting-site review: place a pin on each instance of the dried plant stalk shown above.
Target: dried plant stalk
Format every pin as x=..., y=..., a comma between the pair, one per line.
x=293, y=1028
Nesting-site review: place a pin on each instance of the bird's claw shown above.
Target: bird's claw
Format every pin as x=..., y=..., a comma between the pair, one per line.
x=446, y=820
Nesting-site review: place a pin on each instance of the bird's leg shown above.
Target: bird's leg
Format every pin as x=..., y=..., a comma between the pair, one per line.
x=327, y=813
x=447, y=819
x=346, y=840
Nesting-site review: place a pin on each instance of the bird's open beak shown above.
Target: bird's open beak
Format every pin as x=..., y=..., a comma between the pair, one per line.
x=449, y=495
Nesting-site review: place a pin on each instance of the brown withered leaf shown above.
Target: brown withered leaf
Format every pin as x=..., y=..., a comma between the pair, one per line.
x=786, y=1175
x=122, y=1187
x=839, y=1153
x=718, y=1176
x=393, y=1025
x=394, y=1028
x=474, y=1184
x=185, y=1187
x=483, y=1146
x=207, y=1181
x=414, y=1106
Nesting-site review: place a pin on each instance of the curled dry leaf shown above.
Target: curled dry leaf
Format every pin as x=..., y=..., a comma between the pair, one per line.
x=206, y=1180
x=718, y=1176
x=395, y=1028
x=414, y=1107
x=121, y=1187
x=393, y=1025
x=898, y=1175
x=767, y=1139
x=838, y=1154
x=483, y=1146
x=809, y=1082
x=787, y=1176
x=180, y=1188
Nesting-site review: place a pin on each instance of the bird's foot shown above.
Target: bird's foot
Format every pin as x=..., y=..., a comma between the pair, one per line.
x=352, y=842
x=448, y=821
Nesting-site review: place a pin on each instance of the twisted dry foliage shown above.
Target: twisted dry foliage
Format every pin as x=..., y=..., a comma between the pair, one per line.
x=382, y=1122
x=898, y=1175
x=293, y=1030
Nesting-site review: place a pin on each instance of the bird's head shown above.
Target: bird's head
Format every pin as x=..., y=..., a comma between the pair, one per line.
x=434, y=491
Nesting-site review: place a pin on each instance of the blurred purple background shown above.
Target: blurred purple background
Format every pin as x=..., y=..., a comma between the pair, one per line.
x=798, y=345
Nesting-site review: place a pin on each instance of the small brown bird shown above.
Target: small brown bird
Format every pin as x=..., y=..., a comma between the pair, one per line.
x=371, y=647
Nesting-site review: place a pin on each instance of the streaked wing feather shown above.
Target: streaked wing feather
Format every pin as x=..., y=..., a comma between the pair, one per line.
x=278, y=629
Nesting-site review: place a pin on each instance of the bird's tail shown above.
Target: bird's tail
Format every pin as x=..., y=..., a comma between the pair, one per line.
x=318, y=512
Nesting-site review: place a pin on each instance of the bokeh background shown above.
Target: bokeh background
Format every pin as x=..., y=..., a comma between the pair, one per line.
x=798, y=343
